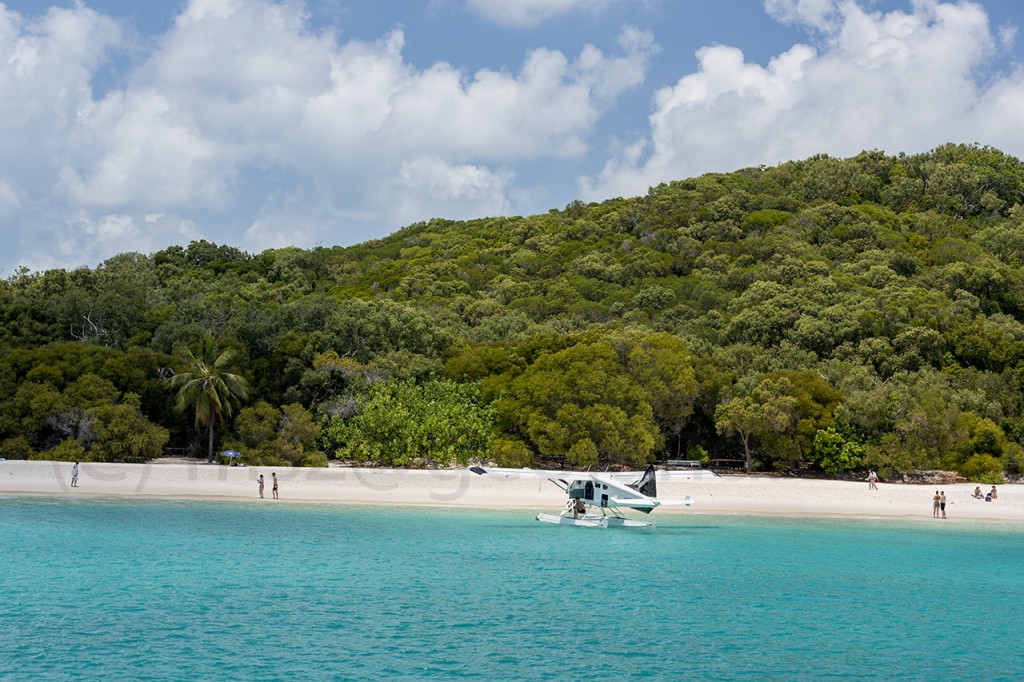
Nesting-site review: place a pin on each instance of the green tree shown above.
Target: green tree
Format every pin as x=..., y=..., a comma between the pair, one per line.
x=663, y=367
x=815, y=403
x=278, y=437
x=123, y=434
x=582, y=393
x=207, y=385
x=768, y=408
x=400, y=423
x=924, y=423
x=834, y=453
x=508, y=452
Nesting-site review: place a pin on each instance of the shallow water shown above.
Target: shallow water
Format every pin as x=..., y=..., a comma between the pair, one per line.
x=96, y=589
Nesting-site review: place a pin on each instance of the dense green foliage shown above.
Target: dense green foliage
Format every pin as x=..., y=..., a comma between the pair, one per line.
x=830, y=314
x=278, y=437
x=400, y=423
x=205, y=386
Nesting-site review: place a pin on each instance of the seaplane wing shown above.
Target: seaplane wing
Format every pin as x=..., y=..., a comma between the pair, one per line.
x=557, y=475
x=604, y=489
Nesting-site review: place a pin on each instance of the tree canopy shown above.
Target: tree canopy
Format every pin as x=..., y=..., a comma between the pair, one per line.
x=824, y=313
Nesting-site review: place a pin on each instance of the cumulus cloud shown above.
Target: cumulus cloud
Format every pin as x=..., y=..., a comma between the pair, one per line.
x=82, y=238
x=244, y=88
x=821, y=15
x=897, y=81
x=8, y=199
x=244, y=125
x=532, y=12
x=45, y=70
x=431, y=187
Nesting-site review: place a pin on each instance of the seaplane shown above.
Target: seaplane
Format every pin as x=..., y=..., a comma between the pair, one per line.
x=597, y=498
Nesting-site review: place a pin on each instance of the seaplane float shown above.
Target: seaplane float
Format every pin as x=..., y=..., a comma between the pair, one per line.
x=596, y=499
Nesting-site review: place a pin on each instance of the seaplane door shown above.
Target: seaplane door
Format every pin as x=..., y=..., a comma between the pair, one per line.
x=597, y=493
x=582, y=490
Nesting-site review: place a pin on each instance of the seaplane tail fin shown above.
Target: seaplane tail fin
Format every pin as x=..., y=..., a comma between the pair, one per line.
x=647, y=485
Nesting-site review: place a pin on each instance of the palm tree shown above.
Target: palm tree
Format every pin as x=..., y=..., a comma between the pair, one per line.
x=206, y=385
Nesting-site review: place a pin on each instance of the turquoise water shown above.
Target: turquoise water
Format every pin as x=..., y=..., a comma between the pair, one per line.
x=118, y=590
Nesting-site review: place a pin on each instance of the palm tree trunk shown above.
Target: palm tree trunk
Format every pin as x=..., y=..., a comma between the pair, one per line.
x=209, y=455
x=747, y=450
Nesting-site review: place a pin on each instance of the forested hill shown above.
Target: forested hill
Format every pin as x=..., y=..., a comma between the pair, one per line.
x=821, y=315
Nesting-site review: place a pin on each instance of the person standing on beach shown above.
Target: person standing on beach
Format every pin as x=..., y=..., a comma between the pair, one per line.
x=274, y=487
x=260, y=481
x=935, y=505
x=872, y=480
x=942, y=503
x=74, y=475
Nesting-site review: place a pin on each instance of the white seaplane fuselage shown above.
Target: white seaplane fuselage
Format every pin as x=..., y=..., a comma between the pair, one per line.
x=596, y=498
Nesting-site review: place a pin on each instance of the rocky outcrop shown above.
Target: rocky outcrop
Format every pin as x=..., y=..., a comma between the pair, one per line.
x=933, y=477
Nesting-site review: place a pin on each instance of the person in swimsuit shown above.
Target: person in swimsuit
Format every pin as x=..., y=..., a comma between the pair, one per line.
x=935, y=505
x=942, y=503
x=274, y=487
x=260, y=481
x=872, y=480
x=993, y=493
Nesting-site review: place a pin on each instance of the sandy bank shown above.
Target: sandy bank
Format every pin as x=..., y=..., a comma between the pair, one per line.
x=461, y=488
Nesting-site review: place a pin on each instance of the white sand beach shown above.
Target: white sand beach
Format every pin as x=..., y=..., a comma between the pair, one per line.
x=711, y=494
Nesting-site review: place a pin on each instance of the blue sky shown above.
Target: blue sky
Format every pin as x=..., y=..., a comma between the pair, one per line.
x=131, y=126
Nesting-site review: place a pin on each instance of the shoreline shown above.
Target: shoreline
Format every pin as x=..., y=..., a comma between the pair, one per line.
x=712, y=495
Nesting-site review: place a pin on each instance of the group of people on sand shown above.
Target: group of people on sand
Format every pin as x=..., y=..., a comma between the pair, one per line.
x=988, y=497
x=939, y=500
x=273, y=488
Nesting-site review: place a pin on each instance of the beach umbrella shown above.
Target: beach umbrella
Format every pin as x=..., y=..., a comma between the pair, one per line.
x=231, y=454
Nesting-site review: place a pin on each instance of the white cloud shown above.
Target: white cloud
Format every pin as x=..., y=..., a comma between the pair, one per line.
x=276, y=230
x=83, y=238
x=9, y=201
x=817, y=14
x=142, y=150
x=238, y=89
x=898, y=81
x=431, y=187
x=1007, y=37
x=45, y=71
x=532, y=12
